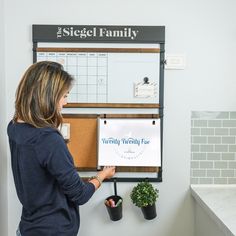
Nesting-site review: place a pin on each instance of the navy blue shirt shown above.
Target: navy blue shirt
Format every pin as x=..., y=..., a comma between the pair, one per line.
x=47, y=183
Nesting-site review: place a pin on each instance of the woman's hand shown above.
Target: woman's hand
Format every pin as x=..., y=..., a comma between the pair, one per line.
x=107, y=172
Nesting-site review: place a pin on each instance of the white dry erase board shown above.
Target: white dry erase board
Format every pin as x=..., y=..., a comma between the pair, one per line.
x=129, y=142
x=109, y=75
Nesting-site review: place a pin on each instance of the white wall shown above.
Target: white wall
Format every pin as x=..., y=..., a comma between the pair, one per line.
x=3, y=140
x=204, y=30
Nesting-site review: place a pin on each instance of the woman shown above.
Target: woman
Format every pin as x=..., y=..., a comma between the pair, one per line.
x=47, y=183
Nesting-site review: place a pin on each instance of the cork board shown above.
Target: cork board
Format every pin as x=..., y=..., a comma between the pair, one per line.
x=84, y=138
x=83, y=141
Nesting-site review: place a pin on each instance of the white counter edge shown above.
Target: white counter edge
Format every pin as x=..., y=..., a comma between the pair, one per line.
x=210, y=211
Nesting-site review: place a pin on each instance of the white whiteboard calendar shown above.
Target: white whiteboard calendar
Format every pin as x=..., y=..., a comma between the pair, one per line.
x=106, y=77
x=89, y=71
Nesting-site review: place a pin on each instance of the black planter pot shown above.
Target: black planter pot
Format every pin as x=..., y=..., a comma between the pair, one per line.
x=115, y=213
x=149, y=212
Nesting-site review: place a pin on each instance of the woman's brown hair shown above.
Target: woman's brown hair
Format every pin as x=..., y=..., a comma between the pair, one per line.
x=39, y=92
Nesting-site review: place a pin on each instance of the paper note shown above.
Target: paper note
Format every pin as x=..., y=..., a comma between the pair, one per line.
x=129, y=142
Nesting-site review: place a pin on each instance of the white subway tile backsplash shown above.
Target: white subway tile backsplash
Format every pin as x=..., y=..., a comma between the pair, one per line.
x=229, y=123
x=232, y=148
x=228, y=140
x=214, y=123
x=207, y=131
x=206, y=180
x=195, y=148
x=199, y=173
x=194, y=180
x=220, y=181
x=227, y=173
x=220, y=164
x=206, y=164
x=199, y=139
x=222, y=131
x=199, y=156
x=200, y=123
x=213, y=147
x=214, y=140
x=213, y=156
x=232, y=131
x=232, y=181
x=206, y=148
x=213, y=173
x=233, y=115
x=228, y=156
x=221, y=148
x=195, y=131
x=222, y=115
x=232, y=165
x=195, y=164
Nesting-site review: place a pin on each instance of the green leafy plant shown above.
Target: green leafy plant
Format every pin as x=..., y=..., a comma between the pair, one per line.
x=144, y=194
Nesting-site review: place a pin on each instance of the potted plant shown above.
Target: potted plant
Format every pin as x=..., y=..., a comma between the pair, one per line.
x=144, y=195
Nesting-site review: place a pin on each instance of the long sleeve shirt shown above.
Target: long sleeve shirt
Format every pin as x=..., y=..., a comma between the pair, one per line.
x=47, y=183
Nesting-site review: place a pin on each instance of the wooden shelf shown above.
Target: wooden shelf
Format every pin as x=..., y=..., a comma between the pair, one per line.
x=112, y=105
x=110, y=50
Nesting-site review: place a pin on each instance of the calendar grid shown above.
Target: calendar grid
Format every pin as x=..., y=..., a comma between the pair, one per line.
x=90, y=71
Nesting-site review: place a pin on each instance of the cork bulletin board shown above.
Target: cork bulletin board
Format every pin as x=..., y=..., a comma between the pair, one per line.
x=83, y=141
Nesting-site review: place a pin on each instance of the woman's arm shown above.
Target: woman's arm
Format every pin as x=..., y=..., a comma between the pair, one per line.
x=106, y=173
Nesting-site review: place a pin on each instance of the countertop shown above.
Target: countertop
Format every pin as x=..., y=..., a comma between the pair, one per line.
x=220, y=203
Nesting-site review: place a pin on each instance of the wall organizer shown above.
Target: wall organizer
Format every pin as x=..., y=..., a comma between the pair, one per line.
x=102, y=59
